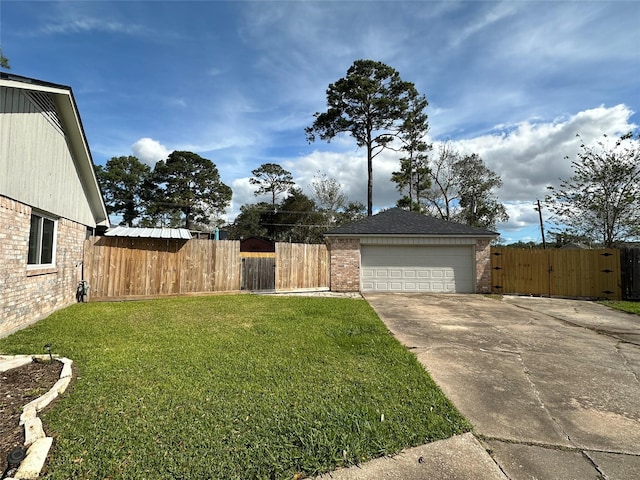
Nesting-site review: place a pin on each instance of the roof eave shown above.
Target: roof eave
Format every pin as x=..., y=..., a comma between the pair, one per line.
x=79, y=144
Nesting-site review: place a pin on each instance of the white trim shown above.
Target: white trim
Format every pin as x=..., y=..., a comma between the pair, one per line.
x=54, y=242
x=417, y=240
x=24, y=84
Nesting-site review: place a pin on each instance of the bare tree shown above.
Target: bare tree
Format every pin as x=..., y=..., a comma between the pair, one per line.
x=440, y=199
x=328, y=195
x=463, y=190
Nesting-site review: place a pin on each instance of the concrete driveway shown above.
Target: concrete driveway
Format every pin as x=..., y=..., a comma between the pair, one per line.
x=551, y=386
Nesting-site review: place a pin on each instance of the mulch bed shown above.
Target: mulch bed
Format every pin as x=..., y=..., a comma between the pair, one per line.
x=18, y=387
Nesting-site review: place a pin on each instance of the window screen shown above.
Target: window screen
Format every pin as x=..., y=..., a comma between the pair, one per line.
x=41, y=240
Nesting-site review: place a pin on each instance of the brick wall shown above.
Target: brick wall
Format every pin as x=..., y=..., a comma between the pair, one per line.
x=345, y=264
x=483, y=265
x=26, y=296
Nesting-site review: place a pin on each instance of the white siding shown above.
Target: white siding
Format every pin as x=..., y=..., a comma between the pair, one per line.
x=435, y=269
x=36, y=165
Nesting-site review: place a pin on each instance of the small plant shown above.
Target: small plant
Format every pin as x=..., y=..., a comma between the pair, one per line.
x=34, y=392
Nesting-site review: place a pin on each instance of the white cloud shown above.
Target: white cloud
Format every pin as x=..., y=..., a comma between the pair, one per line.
x=242, y=195
x=487, y=19
x=350, y=170
x=177, y=102
x=528, y=156
x=347, y=168
x=531, y=155
x=86, y=24
x=150, y=151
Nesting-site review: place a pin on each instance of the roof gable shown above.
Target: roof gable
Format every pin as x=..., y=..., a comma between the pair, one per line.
x=57, y=104
x=396, y=221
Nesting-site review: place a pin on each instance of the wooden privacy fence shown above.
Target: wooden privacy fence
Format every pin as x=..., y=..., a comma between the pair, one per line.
x=301, y=265
x=119, y=267
x=123, y=268
x=293, y=266
x=553, y=272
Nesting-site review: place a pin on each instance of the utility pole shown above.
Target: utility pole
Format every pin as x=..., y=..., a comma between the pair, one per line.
x=539, y=209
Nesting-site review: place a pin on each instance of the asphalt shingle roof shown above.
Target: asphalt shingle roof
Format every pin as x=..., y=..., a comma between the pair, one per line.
x=396, y=221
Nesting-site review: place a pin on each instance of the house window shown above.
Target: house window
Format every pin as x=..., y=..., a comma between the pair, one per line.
x=42, y=244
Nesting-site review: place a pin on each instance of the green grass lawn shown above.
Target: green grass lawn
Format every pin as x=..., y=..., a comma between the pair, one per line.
x=625, y=306
x=227, y=387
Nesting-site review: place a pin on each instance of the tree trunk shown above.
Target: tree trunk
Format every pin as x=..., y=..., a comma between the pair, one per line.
x=370, y=179
x=187, y=222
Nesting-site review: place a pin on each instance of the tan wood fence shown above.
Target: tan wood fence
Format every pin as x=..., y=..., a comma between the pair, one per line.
x=119, y=268
x=301, y=266
x=553, y=272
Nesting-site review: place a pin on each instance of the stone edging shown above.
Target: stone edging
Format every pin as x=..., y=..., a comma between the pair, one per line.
x=37, y=443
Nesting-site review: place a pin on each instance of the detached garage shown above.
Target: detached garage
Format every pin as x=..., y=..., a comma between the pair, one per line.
x=400, y=251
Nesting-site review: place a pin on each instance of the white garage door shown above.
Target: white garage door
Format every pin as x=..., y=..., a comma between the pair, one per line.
x=417, y=269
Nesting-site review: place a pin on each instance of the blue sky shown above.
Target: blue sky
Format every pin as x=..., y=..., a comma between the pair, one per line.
x=237, y=82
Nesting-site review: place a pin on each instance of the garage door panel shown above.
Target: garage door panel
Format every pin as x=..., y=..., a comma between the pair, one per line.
x=395, y=273
x=417, y=269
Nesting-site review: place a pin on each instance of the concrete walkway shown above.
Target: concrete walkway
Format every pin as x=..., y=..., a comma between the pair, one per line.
x=550, y=385
x=458, y=458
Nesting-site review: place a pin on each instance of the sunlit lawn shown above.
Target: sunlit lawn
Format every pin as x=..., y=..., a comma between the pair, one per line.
x=625, y=306
x=240, y=386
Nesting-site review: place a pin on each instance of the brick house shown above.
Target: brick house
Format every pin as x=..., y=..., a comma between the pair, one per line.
x=401, y=251
x=50, y=200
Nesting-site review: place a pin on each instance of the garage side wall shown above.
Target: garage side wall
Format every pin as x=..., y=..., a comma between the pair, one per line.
x=483, y=265
x=345, y=264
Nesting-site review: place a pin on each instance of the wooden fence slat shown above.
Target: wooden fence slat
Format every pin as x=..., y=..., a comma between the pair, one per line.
x=301, y=266
x=555, y=272
x=145, y=267
x=226, y=269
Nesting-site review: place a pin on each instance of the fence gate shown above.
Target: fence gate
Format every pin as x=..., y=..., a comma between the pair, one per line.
x=258, y=273
x=553, y=272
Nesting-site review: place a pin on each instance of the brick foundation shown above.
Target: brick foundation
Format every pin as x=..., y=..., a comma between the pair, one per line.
x=345, y=264
x=26, y=296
